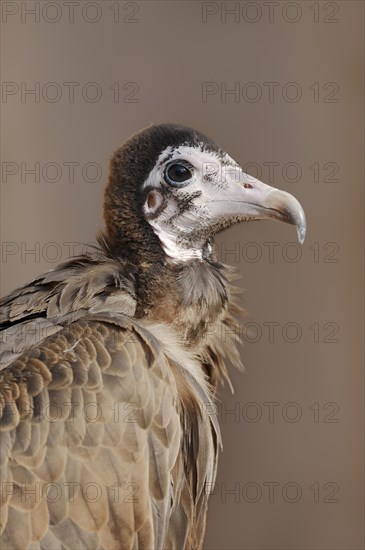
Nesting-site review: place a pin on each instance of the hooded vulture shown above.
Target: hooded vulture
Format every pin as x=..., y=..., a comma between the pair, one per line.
x=110, y=362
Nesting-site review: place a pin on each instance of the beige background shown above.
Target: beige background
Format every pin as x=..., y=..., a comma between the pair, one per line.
x=169, y=52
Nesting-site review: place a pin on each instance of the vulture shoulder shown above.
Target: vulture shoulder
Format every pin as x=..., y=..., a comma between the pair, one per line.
x=99, y=419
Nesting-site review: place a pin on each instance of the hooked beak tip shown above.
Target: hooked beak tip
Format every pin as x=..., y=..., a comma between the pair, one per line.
x=289, y=210
x=301, y=230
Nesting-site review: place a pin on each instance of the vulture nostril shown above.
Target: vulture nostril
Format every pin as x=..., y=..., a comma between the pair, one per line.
x=248, y=186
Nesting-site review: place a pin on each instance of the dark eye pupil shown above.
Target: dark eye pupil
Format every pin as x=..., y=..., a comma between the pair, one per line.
x=178, y=173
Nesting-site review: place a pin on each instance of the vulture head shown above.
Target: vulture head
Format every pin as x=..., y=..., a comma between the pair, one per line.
x=171, y=189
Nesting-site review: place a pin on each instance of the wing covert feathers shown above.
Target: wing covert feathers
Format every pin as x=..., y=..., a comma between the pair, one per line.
x=89, y=430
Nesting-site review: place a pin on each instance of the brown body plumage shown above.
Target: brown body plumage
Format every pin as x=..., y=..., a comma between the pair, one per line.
x=109, y=368
x=125, y=406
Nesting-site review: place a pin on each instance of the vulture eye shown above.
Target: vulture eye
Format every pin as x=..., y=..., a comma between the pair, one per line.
x=178, y=174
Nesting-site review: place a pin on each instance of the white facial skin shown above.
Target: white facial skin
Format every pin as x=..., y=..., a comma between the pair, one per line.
x=218, y=194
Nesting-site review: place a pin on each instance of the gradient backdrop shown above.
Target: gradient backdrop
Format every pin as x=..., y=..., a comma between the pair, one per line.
x=280, y=86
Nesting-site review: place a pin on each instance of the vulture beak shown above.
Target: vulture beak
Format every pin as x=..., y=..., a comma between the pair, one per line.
x=247, y=198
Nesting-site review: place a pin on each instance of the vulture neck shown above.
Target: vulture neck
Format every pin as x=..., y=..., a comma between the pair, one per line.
x=197, y=300
x=191, y=297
